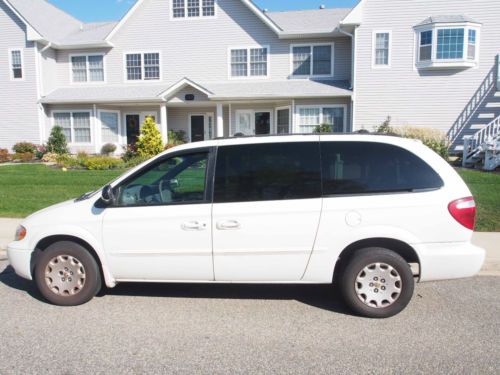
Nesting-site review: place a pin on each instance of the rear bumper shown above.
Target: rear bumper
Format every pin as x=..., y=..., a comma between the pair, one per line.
x=20, y=260
x=442, y=261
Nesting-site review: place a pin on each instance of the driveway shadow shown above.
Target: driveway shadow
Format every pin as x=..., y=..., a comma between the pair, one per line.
x=324, y=297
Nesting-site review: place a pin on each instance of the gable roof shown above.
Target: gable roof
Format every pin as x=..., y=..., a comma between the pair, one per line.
x=56, y=26
x=316, y=21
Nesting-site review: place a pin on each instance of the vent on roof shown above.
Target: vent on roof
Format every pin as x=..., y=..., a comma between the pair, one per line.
x=265, y=10
x=322, y=6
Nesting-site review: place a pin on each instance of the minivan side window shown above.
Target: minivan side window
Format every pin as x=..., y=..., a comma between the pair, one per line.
x=179, y=179
x=369, y=167
x=266, y=172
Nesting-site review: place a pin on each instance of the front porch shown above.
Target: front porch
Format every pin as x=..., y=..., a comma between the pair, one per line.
x=224, y=110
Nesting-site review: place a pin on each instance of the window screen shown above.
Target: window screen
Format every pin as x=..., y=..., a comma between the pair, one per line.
x=266, y=172
x=368, y=167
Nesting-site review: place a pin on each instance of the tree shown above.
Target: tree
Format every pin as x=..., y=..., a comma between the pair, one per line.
x=57, y=141
x=149, y=142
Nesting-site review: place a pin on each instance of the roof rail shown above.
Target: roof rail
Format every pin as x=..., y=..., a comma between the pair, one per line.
x=359, y=132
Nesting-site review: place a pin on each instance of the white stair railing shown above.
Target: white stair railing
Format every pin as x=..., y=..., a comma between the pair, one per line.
x=487, y=134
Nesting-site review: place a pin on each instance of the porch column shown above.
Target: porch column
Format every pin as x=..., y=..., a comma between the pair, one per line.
x=220, y=120
x=97, y=130
x=163, y=123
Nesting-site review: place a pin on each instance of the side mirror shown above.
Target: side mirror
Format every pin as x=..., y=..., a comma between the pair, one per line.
x=107, y=195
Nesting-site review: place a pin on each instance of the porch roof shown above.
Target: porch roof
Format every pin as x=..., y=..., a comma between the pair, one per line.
x=237, y=90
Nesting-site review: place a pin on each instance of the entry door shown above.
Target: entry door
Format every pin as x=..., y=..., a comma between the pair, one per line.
x=159, y=227
x=133, y=124
x=267, y=204
x=197, y=128
x=262, y=123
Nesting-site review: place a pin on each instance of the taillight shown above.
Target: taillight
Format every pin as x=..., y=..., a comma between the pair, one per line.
x=464, y=211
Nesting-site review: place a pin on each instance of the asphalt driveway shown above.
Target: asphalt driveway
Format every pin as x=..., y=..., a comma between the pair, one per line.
x=450, y=327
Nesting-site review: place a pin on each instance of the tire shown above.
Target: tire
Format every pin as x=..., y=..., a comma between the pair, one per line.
x=66, y=274
x=376, y=283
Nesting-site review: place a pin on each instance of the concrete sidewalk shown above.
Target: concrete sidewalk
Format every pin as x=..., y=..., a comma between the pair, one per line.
x=488, y=241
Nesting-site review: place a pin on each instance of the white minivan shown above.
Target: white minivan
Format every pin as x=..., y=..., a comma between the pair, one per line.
x=369, y=213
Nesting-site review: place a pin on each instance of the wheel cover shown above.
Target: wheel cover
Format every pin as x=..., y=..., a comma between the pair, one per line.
x=378, y=285
x=65, y=275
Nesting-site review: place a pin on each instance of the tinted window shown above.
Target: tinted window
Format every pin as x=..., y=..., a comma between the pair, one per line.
x=367, y=167
x=265, y=172
x=179, y=179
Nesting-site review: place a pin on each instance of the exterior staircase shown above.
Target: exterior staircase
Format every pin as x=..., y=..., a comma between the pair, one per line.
x=483, y=148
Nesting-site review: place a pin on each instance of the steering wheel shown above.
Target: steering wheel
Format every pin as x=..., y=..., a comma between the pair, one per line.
x=165, y=191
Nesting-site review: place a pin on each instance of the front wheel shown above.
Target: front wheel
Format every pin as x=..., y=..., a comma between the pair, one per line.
x=376, y=283
x=66, y=274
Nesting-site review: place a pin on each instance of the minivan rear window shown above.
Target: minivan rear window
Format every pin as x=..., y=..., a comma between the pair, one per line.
x=265, y=172
x=369, y=167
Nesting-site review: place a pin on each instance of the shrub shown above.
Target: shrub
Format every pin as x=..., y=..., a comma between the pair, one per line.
x=323, y=128
x=49, y=157
x=149, y=142
x=176, y=137
x=40, y=151
x=23, y=156
x=130, y=153
x=434, y=139
x=385, y=127
x=4, y=155
x=108, y=148
x=102, y=163
x=68, y=161
x=57, y=141
x=24, y=147
x=135, y=161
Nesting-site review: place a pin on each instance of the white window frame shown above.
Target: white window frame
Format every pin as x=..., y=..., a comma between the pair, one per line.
x=434, y=62
x=248, y=49
x=87, y=65
x=143, y=68
x=296, y=122
x=200, y=17
x=119, y=135
x=311, y=75
x=11, y=67
x=71, y=112
x=374, y=48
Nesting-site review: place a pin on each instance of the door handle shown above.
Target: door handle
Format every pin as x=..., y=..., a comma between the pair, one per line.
x=228, y=225
x=193, y=225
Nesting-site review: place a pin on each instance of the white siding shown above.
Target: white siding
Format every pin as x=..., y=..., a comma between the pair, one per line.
x=422, y=98
x=18, y=108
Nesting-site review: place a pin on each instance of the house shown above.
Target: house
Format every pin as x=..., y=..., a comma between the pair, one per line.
x=215, y=68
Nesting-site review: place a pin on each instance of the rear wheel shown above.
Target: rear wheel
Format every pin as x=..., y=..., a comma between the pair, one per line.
x=376, y=283
x=66, y=274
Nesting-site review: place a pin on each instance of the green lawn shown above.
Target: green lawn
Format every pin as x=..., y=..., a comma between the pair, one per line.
x=27, y=188
x=486, y=190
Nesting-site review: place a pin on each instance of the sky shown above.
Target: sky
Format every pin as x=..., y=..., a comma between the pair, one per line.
x=106, y=10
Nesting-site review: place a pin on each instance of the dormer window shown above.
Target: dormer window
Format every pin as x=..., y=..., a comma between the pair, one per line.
x=193, y=8
x=447, y=42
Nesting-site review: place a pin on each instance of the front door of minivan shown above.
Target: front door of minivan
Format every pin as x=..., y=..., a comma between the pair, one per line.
x=159, y=227
x=267, y=203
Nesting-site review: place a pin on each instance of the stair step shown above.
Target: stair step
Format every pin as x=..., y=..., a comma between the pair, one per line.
x=493, y=105
x=486, y=115
x=478, y=126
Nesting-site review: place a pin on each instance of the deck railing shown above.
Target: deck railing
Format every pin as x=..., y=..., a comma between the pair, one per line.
x=487, y=134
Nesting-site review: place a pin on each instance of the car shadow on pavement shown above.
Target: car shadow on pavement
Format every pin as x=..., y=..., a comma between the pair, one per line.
x=324, y=297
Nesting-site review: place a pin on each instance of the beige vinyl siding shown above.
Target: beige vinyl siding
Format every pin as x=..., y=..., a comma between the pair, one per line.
x=17, y=98
x=433, y=99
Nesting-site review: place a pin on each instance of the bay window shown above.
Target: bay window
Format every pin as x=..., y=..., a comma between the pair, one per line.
x=447, y=45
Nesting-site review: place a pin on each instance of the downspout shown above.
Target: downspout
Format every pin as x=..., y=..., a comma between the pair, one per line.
x=353, y=73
